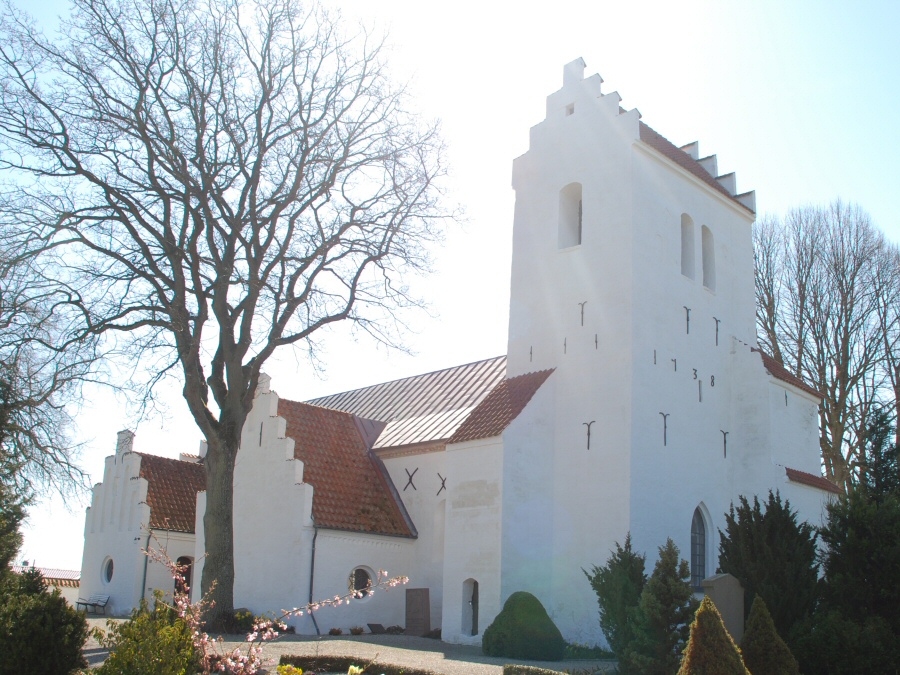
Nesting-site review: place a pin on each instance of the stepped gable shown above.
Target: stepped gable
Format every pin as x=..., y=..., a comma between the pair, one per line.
x=500, y=407
x=351, y=489
x=664, y=146
x=424, y=408
x=779, y=372
x=812, y=480
x=172, y=487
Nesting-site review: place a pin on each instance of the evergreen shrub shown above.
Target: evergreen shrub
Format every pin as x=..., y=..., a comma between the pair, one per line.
x=524, y=630
x=773, y=555
x=765, y=653
x=856, y=628
x=151, y=642
x=39, y=631
x=663, y=617
x=710, y=649
x=837, y=645
x=618, y=585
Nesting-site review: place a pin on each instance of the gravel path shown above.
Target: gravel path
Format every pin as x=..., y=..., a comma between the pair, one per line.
x=402, y=650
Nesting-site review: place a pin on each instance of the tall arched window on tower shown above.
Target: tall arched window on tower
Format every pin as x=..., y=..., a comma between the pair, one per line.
x=698, y=550
x=709, y=259
x=687, y=246
x=570, y=215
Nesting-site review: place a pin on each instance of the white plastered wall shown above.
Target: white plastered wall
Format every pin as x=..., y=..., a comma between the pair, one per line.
x=425, y=504
x=275, y=534
x=337, y=555
x=273, y=515
x=472, y=538
x=610, y=315
x=116, y=528
x=113, y=531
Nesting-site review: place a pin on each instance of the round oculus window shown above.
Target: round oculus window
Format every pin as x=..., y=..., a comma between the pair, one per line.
x=108, y=570
x=361, y=582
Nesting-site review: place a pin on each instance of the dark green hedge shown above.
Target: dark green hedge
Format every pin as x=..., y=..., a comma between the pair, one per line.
x=510, y=669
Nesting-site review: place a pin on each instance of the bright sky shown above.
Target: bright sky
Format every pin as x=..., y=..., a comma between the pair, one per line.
x=801, y=99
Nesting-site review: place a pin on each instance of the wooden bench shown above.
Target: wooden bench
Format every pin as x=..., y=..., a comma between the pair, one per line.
x=93, y=604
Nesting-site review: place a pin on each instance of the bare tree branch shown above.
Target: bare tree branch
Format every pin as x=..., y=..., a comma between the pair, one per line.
x=827, y=289
x=214, y=180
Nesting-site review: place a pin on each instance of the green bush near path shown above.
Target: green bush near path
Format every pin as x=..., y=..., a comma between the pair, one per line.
x=341, y=664
x=39, y=631
x=524, y=630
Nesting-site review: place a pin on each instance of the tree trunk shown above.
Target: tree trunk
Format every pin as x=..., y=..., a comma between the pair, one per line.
x=218, y=524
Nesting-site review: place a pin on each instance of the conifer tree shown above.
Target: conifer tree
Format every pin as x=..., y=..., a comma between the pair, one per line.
x=710, y=649
x=663, y=618
x=773, y=556
x=618, y=585
x=765, y=653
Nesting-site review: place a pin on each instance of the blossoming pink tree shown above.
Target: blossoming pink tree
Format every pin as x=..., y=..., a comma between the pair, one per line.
x=246, y=659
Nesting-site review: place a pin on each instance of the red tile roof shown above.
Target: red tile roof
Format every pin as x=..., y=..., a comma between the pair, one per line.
x=500, y=407
x=664, y=146
x=352, y=489
x=172, y=491
x=813, y=481
x=779, y=372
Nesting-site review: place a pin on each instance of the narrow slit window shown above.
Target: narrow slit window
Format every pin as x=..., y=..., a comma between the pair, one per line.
x=687, y=246
x=709, y=259
x=698, y=550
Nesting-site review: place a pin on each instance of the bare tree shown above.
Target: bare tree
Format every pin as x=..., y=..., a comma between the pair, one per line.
x=823, y=282
x=888, y=271
x=210, y=181
x=41, y=376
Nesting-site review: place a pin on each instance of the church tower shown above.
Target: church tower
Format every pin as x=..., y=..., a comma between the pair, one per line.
x=632, y=278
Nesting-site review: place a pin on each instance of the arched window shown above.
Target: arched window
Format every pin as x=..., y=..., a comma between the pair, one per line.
x=698, y=550
x=185, y=566
x=687, y=246
x=470, y=607
x=709, y=259
x=360, y=582
x=570, y=215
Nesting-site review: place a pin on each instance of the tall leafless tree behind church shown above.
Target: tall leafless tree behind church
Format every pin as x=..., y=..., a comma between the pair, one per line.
x=207, y=181
x=827, y=289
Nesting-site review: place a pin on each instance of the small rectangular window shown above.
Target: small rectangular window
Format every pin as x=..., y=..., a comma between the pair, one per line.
x=570, y=109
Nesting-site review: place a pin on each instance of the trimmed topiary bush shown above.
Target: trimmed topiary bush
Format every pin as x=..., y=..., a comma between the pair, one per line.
x=710, y=649
x=39, y=631
x=524, y=630
x=765, y=653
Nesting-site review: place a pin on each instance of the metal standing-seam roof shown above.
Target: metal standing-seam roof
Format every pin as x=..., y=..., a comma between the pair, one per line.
x=53, y=576
x=422, y=408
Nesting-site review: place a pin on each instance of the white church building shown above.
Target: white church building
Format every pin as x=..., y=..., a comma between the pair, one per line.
x=632, y=398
